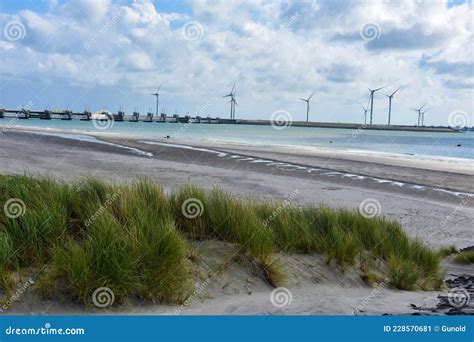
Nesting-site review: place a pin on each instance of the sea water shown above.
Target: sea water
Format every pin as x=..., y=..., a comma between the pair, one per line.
x=429, y=144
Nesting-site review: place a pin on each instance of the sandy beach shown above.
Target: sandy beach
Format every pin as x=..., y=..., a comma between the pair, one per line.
x=432, y=200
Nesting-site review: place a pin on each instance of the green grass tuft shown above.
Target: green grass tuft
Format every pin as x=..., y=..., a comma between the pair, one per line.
x=132, y=238
x=465, y=257
x=447, y=251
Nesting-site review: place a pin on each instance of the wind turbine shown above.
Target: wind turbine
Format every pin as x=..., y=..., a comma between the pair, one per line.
x=423, y=117
x=157, y=94
x=390, y=104
x=365, y=114
x=419, y=113
x=232, y=101
x=372, y=91
x=307, y=105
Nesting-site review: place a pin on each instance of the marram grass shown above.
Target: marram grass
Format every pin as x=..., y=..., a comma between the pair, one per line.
x=466, y=257
x=133, y=238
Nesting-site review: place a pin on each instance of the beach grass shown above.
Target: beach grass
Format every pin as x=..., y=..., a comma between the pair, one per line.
x=447, y=251
x=466, y=257
x=134, y=238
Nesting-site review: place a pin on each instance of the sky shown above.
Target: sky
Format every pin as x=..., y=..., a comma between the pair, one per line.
x=104, y=54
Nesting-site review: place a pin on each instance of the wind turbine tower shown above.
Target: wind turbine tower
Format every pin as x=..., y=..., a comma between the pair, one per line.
x=157, y=94
x=390, y=105
x=372, y=92
x=418, y=110
x=232, y=101
x=307, y=105
x=365, y=114
x=423, y=118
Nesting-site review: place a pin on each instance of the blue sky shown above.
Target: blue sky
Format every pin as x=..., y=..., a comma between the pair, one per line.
x=106, y=54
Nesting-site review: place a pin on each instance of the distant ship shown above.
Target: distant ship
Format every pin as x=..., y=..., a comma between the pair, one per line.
x=102, y=115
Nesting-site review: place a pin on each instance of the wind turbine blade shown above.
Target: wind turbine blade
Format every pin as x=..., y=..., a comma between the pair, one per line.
x=423, y=106
x=395, y=91
x=227, y=95
x=158, y=90
x=302, y=99
x=311, y=95
x=379, y=88
x=233, y=87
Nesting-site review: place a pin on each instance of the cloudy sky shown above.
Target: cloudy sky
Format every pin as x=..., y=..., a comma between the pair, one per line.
x=107, y=54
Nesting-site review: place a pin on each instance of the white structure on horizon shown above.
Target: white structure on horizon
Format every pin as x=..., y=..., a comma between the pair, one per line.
x=101, y=115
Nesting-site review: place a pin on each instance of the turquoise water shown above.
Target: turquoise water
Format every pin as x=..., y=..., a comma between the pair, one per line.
x=408, y=143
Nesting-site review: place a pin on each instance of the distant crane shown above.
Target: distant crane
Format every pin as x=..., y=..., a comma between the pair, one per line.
x=390, y=104
x=372, y=92
x=232, y=101
x=307, y=105
x=157, y=94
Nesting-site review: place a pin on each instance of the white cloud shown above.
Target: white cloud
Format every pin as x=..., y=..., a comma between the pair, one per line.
x=279, y=51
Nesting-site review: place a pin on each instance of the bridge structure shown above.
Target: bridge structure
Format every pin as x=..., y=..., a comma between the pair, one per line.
x=25, y=114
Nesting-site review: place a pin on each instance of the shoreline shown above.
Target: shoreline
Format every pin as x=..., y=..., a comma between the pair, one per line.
x=442, y=164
